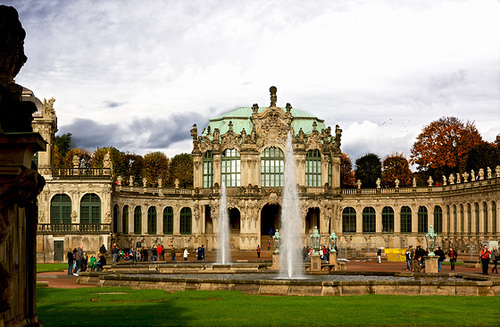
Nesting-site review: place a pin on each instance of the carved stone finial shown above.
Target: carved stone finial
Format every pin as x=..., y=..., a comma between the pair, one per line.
x=194, y=132
x=430, y=181
x=358, y=183
x=288, y=108
x=315, y=125
x=230, y=125
x=243, y=135
x=255, y=108
x=274, y=98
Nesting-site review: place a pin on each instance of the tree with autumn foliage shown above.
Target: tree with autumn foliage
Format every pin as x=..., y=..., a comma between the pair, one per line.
x=84, y=158
x=346, y=172
x=442, y=147
x=368, y=169
x=394, y=167
x=155, y=167
x=181, y=168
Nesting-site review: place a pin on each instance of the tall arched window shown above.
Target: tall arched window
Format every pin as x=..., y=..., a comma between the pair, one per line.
x=313, y=168
x=230, y=168
x=137, y=220
x=422, y=220
x=168, y=221
x=60, y=212
x=349, y=221
x=476, y=214
x=448, y=219
x=185, y=227
x=494, y=229
x=368, y=220
x=272, y=166
x=438, y=219
x=462, y=220
x=387, y=220
x=469, y=218
x=405, y=216
x=208, y=170
x=125, y=220
x=115, y=218
x=152, y=221
x=90, y=212
x=485, y=217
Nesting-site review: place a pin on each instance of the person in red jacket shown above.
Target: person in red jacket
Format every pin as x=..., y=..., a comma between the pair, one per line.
x=485, y=259
x=159, y=251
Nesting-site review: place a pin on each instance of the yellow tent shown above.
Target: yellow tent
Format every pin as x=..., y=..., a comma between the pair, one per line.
x=395, y=255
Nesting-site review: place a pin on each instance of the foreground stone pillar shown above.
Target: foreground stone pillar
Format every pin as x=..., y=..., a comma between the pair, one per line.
x=276, y=262
x=431, y=264
x=333, y=260
x=315, y=262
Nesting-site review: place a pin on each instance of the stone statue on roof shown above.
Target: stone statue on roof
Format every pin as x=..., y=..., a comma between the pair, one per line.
x=274, y=97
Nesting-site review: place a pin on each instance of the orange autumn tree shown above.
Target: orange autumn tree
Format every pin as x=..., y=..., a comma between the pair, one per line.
x=395, y=167
x=442, y=146
x=346, y=172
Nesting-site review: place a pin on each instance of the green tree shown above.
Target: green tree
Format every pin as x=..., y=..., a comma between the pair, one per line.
x=481, y=156
x=395, y=167
x=181, y=168
x=62, y=144
x=346, y=172
x=368, y=169
x=155, y=167
x=442, y=146
x=84, y=158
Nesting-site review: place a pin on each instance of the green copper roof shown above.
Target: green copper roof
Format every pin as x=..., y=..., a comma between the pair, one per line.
x=240, y=119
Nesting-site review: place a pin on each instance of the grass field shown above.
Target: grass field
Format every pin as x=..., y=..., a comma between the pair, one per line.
x=115, y=306
x=45, y=267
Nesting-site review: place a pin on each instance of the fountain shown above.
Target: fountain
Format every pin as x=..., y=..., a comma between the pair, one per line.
x=290, y=252
x=223, y=252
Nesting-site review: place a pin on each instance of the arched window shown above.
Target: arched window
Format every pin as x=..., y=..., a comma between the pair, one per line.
x=185, y=221
x=462, y=220
x=152, y=221
x=115, y=218
x=168, y=221
x=469, y=218
x=494, y=229
x=272, y=166
x=387, y=220
x=448, y=219
x=405, y=216
x=90, y=212
x=422, y=220
x=313, y=168
x=455, y=220
x=349, y=221
x=368, y=220
x=476, y=214
x=208, y=170
x=60, y=212
x=230, y=168
x=438, y=219
x=485, y=217
x=125, y=220
x=137, y=220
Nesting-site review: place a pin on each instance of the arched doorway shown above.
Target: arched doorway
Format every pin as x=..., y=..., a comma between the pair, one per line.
x=312, y=220
x=269, y=219
x=234, y=221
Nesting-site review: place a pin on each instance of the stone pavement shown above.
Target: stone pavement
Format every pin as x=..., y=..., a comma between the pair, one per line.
x=62, y=280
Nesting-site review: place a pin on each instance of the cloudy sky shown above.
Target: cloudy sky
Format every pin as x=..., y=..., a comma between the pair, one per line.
x=138, y=74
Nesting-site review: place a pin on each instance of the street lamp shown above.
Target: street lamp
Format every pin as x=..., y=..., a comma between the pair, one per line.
x=277, y=241
x=333, y=241
x=315, y=240
x=430, y=238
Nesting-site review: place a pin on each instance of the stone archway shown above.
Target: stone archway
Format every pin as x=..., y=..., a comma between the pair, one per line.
x=312, y=220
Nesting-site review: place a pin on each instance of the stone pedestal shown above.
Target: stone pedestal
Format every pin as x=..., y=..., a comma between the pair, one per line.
x=431, y=264
x=315, y=262
x=276, y=262
x=333, y=260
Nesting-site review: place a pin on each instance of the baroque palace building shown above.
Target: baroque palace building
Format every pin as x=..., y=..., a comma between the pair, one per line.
x=245, y=150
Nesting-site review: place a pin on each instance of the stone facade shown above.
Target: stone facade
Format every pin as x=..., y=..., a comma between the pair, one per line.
x=244, y=148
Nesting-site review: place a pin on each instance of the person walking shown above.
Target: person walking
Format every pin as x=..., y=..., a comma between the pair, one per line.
x=379, y=255
x=268, y=245
x=494, y=258
x=79, y=260
x=70, y=262
x=485, y=259
x=441, y=258
x=202, y=252
x=453, y=257
x=185, y=254
x=115, y=251
x=409, y=257
x=172, y=254
x=258, y=251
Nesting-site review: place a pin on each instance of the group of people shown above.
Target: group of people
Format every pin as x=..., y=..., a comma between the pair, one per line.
x=78, y=260
x=415, y=258
x=486, y=255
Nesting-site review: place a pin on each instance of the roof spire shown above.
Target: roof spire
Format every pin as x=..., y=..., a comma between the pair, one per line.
x=273, y=90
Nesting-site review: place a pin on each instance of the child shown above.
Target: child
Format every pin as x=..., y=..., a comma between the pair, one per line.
x=93, y=262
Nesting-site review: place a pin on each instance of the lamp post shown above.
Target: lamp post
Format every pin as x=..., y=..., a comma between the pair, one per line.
x=333, y=241
x=430, y=239
x=277, y=242
x=315, y=240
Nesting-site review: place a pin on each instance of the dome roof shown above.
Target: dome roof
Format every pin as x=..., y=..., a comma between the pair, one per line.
x=240, y=118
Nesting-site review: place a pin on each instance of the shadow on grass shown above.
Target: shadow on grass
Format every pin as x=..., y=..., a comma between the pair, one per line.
x=109, y=307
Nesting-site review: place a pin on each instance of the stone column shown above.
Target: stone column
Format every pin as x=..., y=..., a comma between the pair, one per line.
x=144, y=220
x=177, y=221
x=159, y=221
x=378, y=220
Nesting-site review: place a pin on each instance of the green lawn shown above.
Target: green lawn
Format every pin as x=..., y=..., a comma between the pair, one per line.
x=45, y=267
x=115, y=306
